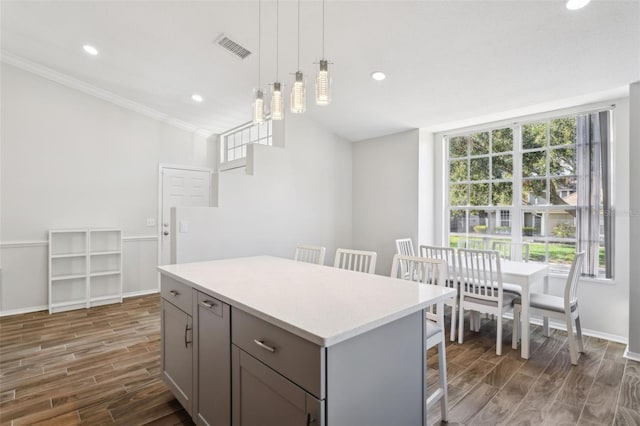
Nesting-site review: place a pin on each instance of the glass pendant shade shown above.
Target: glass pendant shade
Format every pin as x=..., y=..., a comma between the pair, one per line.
x=258, y=108
x=298, y=101
x=277, y=103
x=323, y=84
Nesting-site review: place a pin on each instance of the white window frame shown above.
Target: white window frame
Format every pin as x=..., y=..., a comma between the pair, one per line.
x=516, y=210
x=246, y=133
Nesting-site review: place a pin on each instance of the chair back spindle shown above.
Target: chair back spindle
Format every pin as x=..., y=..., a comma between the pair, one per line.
x=481, y=274
x=356, y=260
x=309, y=254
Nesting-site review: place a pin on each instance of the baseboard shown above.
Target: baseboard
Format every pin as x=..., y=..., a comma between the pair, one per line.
x=23, y=310
x=45, y=307
x=141, y=293
x=633, y=356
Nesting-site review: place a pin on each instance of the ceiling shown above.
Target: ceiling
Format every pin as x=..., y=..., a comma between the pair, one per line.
x=446, y=62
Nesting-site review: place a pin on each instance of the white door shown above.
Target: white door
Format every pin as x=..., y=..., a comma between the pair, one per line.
x=180, y=187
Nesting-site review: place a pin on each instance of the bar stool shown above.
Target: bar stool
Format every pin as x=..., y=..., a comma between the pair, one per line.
x=431, y=272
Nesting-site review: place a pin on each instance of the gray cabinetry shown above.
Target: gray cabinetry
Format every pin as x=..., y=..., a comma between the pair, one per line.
x=177, y=353
x=212, y=360
x=277, y=376
x=292, y=344
x=263, y=397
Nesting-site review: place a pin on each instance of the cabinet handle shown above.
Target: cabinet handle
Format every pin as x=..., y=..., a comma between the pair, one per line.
x=310, y=419
x=208, y=304
x=186, y=331
x=174, y=293
x=263, y=346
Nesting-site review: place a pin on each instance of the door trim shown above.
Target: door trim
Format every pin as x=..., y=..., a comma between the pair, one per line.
x=161, y=167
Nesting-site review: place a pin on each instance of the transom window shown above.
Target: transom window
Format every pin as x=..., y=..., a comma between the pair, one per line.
x=522, y=184
x=234, y=143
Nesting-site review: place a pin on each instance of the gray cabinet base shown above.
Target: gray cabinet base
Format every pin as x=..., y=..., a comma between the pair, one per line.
x=376, y=378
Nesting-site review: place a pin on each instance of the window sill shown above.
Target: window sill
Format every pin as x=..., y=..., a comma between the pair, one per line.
x=593, y=280
x=230, y=165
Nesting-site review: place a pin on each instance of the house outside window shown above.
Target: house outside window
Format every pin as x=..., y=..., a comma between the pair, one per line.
x=521, y=184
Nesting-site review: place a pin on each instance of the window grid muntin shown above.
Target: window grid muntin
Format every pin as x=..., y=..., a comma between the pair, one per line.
x=517, y=181
x=234, y=143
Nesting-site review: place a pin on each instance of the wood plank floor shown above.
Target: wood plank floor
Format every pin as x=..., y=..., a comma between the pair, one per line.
x=102, y=366
x=95, y=366
x=485, y=389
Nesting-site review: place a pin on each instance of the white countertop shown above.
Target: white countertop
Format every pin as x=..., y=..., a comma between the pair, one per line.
x=321, y=304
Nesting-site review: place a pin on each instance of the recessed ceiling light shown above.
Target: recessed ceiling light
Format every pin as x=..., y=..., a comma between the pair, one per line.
x=90, y=49
x=197, y=98
x=378, y=75
x=577, y=4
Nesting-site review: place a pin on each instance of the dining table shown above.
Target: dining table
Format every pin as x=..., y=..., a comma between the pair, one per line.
x=525, y=275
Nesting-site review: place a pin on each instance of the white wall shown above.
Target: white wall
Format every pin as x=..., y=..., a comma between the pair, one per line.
x=633, y=194
x=297, y=194
x=71, y=160
x=385, y=194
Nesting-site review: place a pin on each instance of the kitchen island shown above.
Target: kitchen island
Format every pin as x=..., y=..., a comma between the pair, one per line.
x=270, y=341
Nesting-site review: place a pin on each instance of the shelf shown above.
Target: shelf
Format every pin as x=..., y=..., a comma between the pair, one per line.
x=60, y=256
x=72, y=242
x=104, y=253
x=68, y=303
x=85, y=268
x=107, y=297
x=107, y=240
x=104, y=273
x=68, y=277
x=67, y=306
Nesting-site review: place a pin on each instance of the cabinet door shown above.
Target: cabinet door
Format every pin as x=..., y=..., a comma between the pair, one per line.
x=177, y=353
x=262, y=397
x=213, y=358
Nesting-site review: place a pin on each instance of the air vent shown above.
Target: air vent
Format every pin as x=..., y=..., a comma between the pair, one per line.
x=232, y=47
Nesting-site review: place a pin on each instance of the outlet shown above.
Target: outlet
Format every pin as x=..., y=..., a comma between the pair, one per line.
x=151, y=222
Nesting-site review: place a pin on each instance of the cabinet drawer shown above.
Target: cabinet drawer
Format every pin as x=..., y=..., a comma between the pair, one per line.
x=176, y=293
x=299, y=360
x=209, y=303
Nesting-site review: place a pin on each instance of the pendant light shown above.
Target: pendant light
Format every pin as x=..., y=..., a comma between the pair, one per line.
x=258, y=102
x=323, y=79
x=298, y=102
x=277, y=102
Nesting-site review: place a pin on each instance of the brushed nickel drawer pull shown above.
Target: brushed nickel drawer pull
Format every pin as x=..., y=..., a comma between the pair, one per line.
x=174, y=293
x=187, y=329
x=208, y=304
x=263, y=346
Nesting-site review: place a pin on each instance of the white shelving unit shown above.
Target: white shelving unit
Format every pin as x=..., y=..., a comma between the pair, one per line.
x=85, y=268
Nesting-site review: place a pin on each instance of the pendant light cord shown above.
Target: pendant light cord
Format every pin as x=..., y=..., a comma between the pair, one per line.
x=277, y=34
x=298, y=35
x=322, y=29
x=259, y=43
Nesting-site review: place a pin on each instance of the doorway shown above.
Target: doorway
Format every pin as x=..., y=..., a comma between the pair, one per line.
x=179, y=187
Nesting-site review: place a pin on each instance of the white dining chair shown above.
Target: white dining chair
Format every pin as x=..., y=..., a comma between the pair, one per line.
x=481, y=289
x=448, y=254
x=404, y=246
x=473, y=243
x=356, y=260
x=561, y=308
x=512, y=251
x=309, y=254
x=432, y=272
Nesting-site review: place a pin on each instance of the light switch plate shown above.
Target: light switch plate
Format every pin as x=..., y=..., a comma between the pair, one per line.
x=151, y=222
x=184, y=226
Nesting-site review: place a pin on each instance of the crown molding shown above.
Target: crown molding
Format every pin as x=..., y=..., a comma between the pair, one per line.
x=105, y=95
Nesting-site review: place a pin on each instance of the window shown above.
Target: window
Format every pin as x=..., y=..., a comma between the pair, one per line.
x=233, y=146
x=544, y=182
